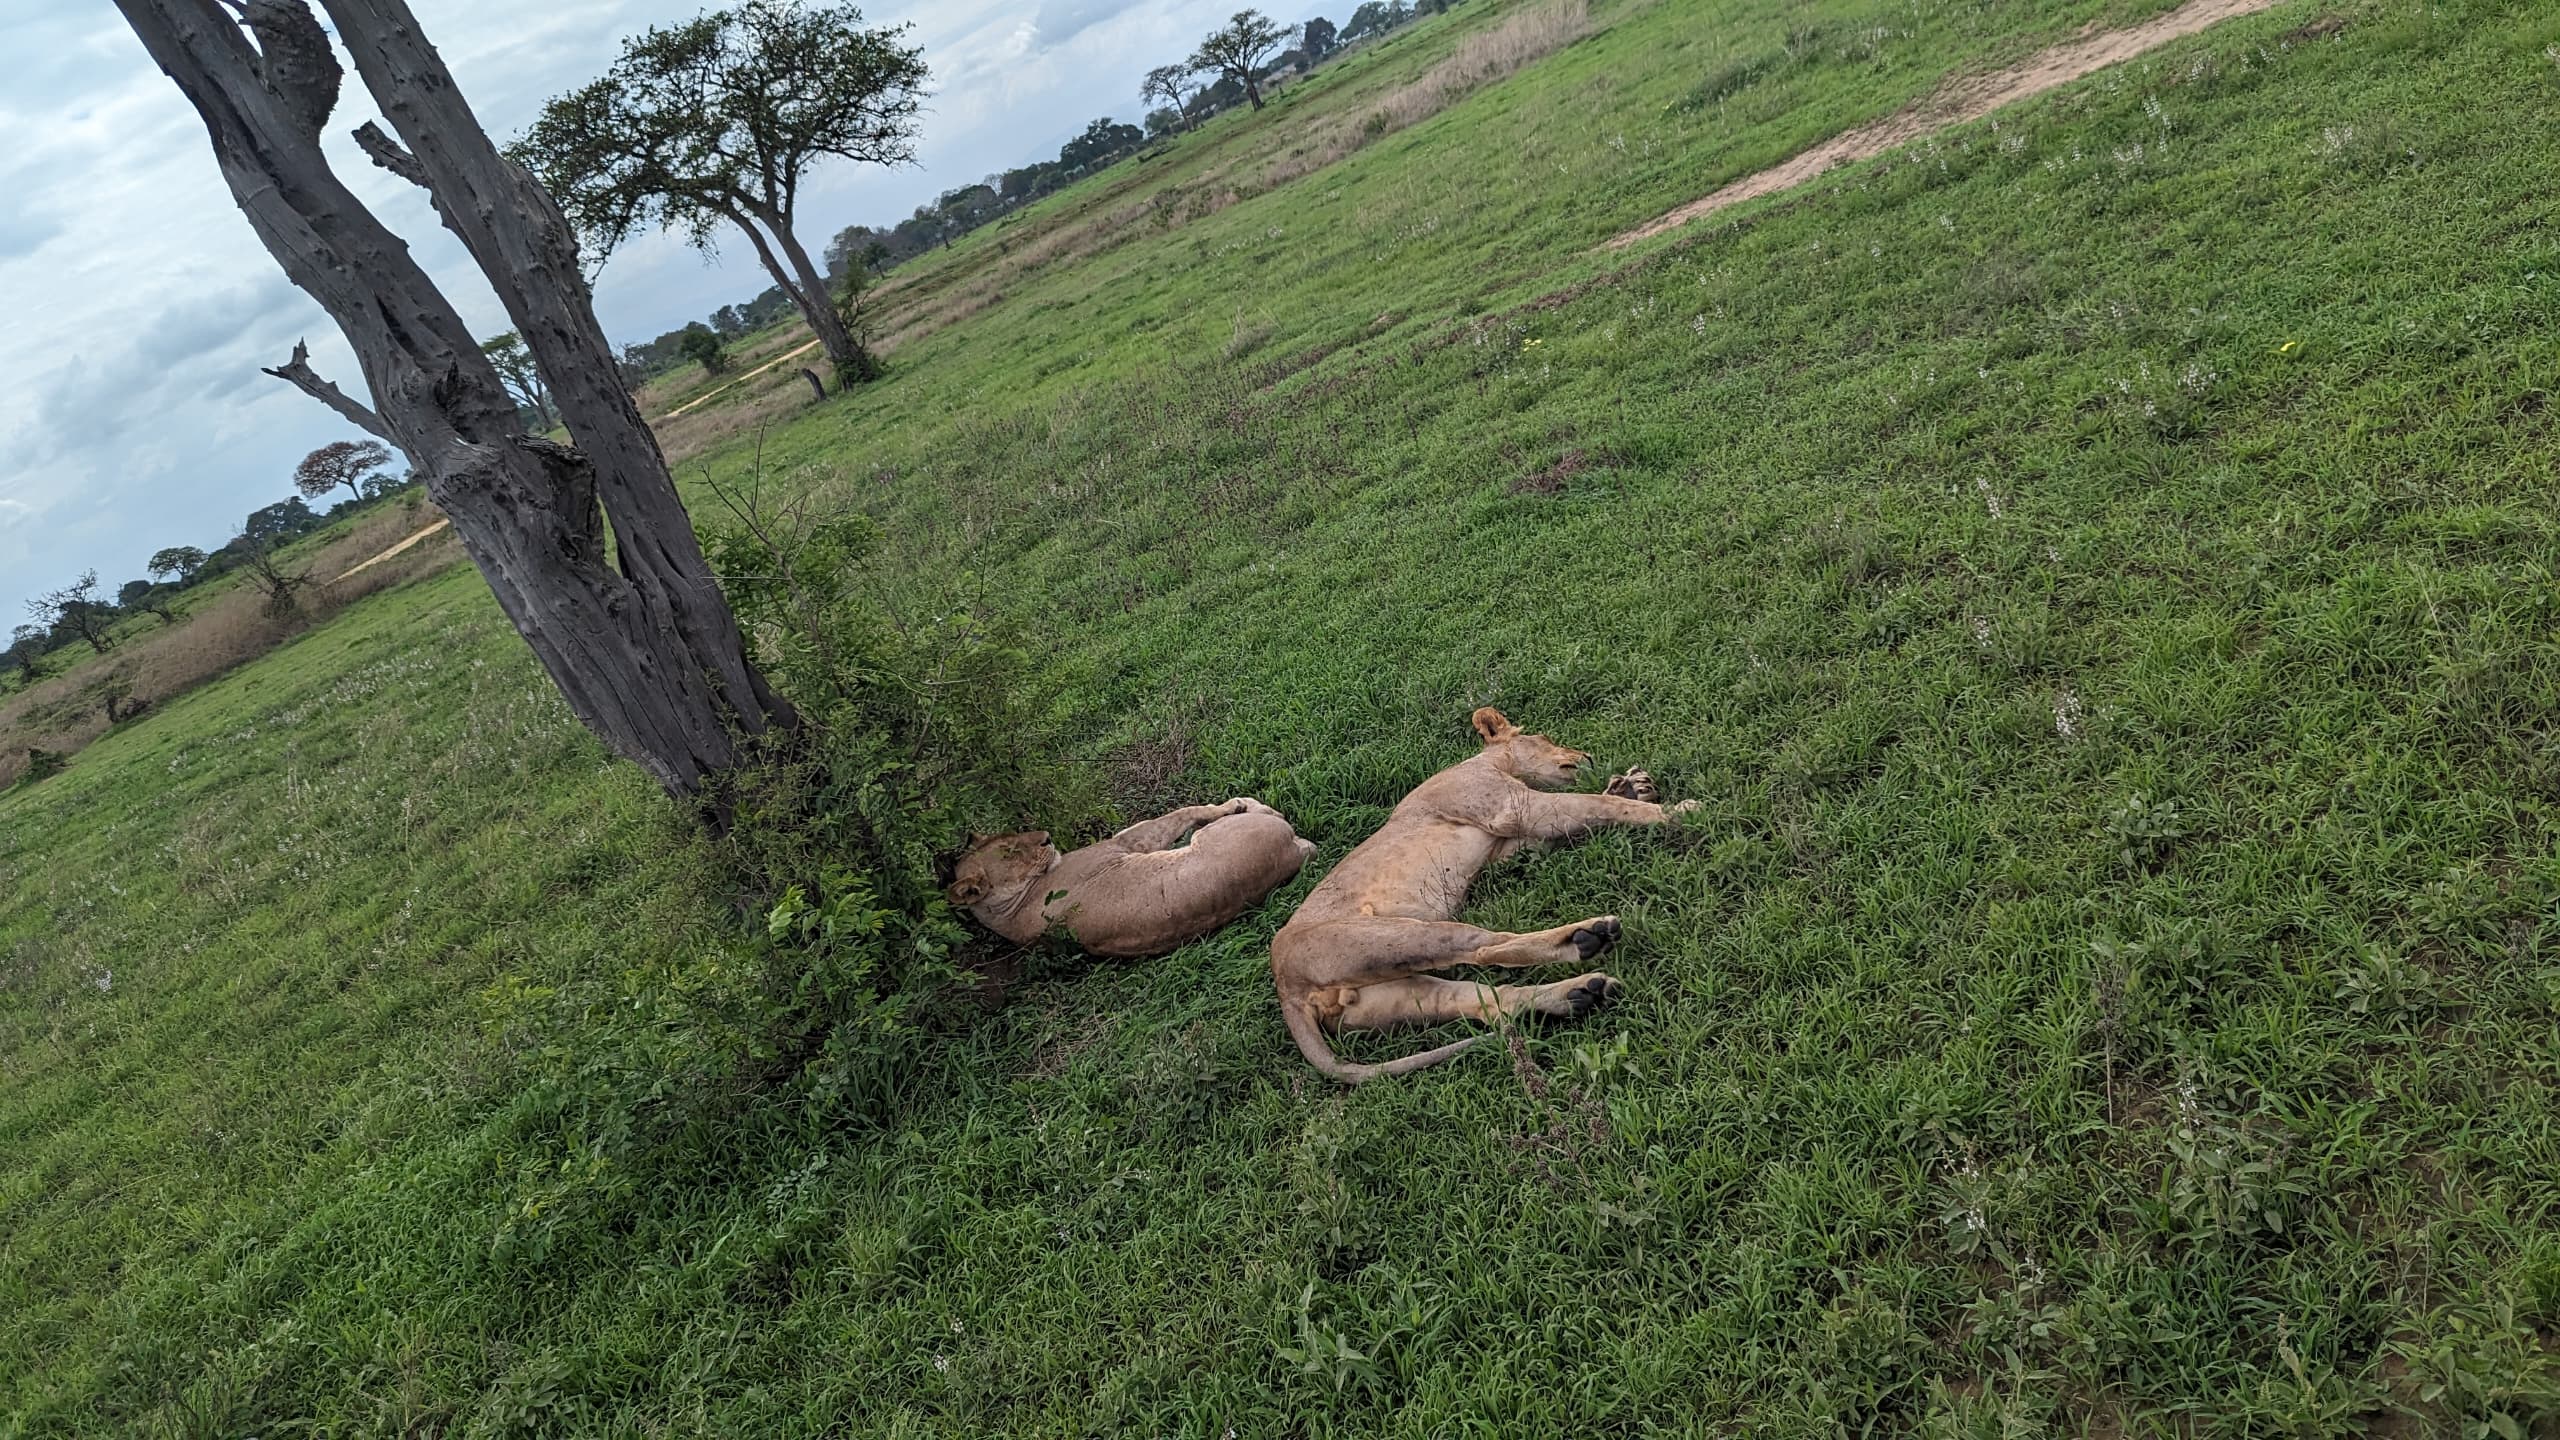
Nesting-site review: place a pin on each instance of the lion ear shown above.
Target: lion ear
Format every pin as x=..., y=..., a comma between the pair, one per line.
x=966, y=892
x=978, y=838
x=1490, y=724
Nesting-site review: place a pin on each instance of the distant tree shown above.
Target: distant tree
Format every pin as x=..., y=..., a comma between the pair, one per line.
x=1318, y=37
x=719, y=120
x=383, y=482
x=702, y=346
x=280, y=522
x=1374, y=17
x=1028, y=183
x=728, y=323
x=1223, y=93
x=968, y=207
x=1161, y=123
x=1237, y=50
x=149, y=598
x=1168, y=83
x=513, y=360
x=855, y=243
x=26, y=652
x=1102, y=141
x=76, y=609
x=340, y=464
x=178, y=564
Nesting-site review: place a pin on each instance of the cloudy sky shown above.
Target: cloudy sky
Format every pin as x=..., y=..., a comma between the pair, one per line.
x=132, y=411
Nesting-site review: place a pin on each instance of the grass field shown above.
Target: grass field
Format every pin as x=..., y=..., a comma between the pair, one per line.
x=2096, y=567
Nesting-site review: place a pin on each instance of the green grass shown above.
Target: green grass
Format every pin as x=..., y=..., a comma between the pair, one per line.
x=2103, y=596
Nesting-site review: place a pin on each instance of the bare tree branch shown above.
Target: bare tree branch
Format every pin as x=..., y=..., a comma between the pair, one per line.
x=387, y=153
x=298, y=373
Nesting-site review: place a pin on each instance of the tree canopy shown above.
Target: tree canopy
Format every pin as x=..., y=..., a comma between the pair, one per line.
x=282, y=521
x=1236, y=50
x=340, y=464
x=1168, y=83
x=178, y=563
x=718, y=121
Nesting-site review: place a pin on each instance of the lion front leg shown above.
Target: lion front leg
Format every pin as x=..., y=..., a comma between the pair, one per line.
x=1547, y=815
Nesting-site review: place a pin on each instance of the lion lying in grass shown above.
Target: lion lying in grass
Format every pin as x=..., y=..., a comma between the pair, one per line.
x=1355, y=956
x=1135, y=893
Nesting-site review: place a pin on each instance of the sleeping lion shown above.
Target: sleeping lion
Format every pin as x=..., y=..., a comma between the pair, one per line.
x=1135, y=893
x=1357, y=954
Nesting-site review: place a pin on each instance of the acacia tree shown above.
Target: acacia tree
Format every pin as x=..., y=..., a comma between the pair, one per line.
x=718, y=121
x=522, y=378
x=340, y=463
x=1238, y=49
x=1165, y=82
x=641, y=643
x=77, y=608
x=177, y=565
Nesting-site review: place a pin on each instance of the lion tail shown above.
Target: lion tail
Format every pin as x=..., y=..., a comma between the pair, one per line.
x=1311, y=1043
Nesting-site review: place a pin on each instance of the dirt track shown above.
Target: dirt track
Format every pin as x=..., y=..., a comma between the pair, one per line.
x=369, y=563
x=1968, y=97
x=734, y=384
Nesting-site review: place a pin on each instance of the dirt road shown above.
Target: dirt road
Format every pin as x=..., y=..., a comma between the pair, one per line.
x=1968, y=97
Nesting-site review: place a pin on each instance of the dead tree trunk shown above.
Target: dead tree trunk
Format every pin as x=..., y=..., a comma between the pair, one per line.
x=646, y=652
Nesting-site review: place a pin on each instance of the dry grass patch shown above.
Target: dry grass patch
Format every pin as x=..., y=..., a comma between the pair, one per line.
x=1478, y=61
x=63, y=715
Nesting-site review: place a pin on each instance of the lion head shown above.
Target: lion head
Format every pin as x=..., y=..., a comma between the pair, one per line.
x=1000, y=865
x=1530, y=759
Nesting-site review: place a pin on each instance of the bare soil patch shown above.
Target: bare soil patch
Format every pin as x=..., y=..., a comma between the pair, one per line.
x=1963, y=99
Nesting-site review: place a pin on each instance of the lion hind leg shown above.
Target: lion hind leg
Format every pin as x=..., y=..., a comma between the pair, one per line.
x=1429, y=1000
x=1375, y=948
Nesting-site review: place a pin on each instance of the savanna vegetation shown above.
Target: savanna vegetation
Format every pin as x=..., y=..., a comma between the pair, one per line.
x=2095, y=565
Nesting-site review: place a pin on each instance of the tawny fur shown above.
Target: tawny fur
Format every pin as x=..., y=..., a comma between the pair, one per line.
x=1135, y=893
x=1356, y=954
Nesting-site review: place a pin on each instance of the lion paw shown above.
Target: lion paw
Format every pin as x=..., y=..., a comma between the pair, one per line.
x=1634, y=785
x=1594, y=936
x=1590, y=993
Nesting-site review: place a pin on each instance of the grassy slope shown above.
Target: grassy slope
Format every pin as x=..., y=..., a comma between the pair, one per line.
x=1957, y=1086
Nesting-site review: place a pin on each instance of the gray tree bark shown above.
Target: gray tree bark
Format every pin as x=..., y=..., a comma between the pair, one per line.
x=646, y=652
x=801, y=279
